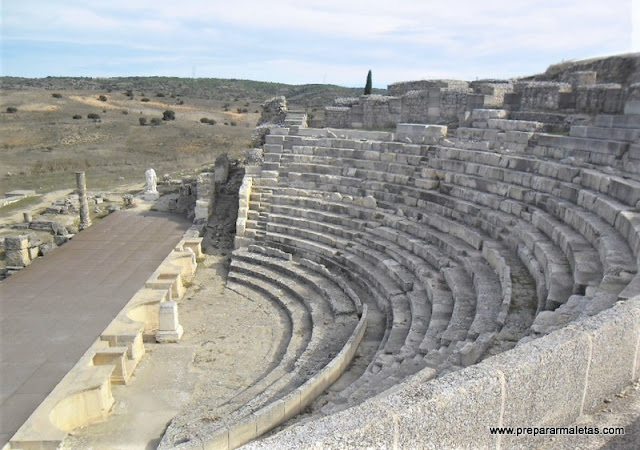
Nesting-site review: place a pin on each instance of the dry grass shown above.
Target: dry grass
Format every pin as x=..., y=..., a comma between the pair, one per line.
x=41, y=146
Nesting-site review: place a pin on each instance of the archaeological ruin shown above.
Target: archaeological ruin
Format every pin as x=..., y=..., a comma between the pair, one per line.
x=451, y=257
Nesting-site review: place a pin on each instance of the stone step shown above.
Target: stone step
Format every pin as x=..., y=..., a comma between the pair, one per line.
x=464, y=305
x=489, y=296
x=605, y=133
x=486, y=114
x=339, y=302
x=617, y=121
x=582, y=257
x=582, y=145
x=514, y=125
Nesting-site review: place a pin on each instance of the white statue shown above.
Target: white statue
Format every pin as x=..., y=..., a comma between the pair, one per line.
x=152, y=181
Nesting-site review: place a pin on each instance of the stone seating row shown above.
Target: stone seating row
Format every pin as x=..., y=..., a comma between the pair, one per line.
x=315, y=333
x=371, y=244
x=464, y=233
x=310, y=182
x=307, y=247
x=613, y=254
x=286, y=392
x=611, y=198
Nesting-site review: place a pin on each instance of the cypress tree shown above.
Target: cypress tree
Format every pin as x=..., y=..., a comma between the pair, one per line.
x=367, y=87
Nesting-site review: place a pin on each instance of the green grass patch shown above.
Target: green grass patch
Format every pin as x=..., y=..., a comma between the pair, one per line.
x=20, y=204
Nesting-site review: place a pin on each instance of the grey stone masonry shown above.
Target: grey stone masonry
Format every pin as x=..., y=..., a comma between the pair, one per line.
x=605, y=133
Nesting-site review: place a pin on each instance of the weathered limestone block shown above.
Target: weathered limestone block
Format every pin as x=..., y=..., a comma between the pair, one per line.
x=222, y=169
x=486, y=114
x=17, y=251
x=419, y=133
x=274, y=110
x=369, y=202
x=254, y=156
x=600, y=98
x=533, y=95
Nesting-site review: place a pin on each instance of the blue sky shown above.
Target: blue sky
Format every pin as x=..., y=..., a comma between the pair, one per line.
x=310, y=41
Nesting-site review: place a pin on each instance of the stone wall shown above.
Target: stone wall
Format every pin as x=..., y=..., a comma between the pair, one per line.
x=576, y=88
x=401, y=88
x=540, y=95
x=441, y=103
x=549, y=382
x=380, y=111
x=493, y=91
x=606, y=98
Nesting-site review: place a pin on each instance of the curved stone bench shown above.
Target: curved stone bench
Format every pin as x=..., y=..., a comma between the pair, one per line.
x=244, y=429
x=314, y=227
x=496, y=218
x=340, y=302
x=412, y=332
x=563, y=237
x=457, y=410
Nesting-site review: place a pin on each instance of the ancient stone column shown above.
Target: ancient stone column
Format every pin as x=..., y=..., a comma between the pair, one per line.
x=81, y=184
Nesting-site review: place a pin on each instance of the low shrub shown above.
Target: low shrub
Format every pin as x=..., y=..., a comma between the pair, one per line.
x=77, y=116
x=169, y=115
x=102, y=98
x=125, y=112
x=144, y=99
x=142, y=120
x=56, y=95
x=156, y=121
x=159, y=94
x=93, y=116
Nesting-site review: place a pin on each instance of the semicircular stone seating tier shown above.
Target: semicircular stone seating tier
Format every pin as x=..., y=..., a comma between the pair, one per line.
x=460, y=250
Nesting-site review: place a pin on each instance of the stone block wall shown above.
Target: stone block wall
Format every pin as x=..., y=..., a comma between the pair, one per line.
x=540, y=95
x=549, y=382
x=338, y=116
x=380, y=111
x=600, y=98
x=401, y=88
x=493, y=91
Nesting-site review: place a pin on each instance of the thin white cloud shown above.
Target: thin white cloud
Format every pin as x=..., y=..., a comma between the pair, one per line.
x=406, y=38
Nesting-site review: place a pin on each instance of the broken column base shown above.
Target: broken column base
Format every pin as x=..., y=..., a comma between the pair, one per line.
x=170, y=336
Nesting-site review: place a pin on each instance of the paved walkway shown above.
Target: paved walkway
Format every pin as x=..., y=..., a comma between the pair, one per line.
x=52, y=311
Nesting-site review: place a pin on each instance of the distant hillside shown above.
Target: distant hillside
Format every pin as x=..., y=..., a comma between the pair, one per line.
x=206, y=88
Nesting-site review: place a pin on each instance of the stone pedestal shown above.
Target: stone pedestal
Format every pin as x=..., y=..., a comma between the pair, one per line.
x=169, y=329
x=17, y=251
